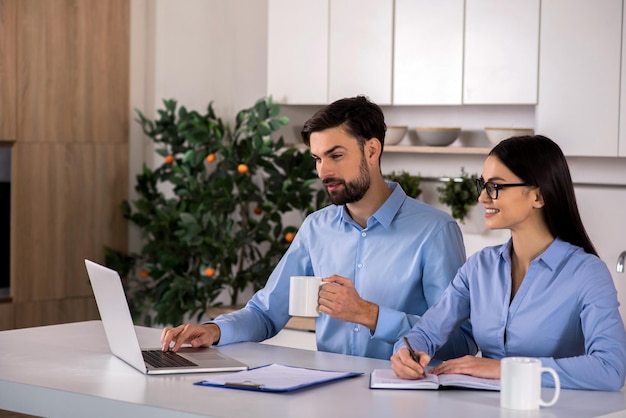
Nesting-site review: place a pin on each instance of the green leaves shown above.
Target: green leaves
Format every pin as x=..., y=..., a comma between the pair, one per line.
x=195, y=214
x=459, y=194
x=409, y=183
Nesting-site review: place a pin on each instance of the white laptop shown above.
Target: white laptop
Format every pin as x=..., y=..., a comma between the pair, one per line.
x=120, y=332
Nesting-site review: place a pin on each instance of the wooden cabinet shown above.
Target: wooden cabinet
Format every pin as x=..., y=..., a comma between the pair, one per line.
x=360, y=49
x=7, y=318
x=297, y=51
x=501, y=52
x=428, y=52
x=579, y=73
x=70, y=156
x=8, y=77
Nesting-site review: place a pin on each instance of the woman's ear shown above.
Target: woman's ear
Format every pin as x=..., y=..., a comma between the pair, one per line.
x=538, y=198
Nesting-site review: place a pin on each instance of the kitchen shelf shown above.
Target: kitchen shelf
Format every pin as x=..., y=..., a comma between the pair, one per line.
x=415, y=149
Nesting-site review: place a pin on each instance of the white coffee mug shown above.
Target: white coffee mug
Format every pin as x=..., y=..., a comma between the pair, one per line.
x=520, y=383
x=304, y=295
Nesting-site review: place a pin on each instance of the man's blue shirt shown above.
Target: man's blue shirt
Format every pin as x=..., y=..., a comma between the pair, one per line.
x=402, y=261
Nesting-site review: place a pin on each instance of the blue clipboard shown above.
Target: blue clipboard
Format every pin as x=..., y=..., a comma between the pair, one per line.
x=275, y=378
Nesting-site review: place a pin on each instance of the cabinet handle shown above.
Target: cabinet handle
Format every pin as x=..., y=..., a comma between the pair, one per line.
x=620, y=262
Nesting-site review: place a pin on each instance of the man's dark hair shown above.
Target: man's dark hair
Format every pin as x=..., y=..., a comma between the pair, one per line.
x=360, y=118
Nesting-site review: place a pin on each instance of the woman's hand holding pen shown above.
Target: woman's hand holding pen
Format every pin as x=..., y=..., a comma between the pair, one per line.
x=409, y=364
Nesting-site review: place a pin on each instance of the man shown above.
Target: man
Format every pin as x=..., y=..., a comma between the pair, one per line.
x=385, y=257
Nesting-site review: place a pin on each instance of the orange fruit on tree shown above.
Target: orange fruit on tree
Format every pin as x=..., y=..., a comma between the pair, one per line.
x=258, y=210
x=144, y=274
x=169, y=159
x=242, y=168
x=209, y=272
x=211, y=158
x=289, y=236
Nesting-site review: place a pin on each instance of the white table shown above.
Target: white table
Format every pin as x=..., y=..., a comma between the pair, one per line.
x=67, y=371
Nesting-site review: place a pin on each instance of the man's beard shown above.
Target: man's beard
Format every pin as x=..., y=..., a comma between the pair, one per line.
x=352, y=191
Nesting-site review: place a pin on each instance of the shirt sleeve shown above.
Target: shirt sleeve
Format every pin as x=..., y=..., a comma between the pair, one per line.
x=256, y=321
x=442, y=321
x=442, y=259
x=603, y=366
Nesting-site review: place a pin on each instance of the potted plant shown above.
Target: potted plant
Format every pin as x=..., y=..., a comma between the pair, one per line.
x=410, y=183
x=211, y=213
x=459, y=193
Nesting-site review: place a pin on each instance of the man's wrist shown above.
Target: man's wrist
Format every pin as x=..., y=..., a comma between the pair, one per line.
x=214, y=331
x=372, y=316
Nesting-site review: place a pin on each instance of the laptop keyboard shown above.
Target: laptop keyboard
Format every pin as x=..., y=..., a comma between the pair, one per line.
x=160, y=359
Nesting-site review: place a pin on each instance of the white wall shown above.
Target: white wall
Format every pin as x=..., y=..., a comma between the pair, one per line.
x=202, y=50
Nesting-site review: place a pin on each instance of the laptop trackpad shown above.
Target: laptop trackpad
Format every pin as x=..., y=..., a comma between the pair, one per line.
x=206, y=354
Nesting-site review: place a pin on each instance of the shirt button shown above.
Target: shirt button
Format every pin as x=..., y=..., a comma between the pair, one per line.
x=356, y=329
x=360, y=265
x=363, y=234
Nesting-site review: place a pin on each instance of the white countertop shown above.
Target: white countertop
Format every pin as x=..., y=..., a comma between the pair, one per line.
x=67, y=370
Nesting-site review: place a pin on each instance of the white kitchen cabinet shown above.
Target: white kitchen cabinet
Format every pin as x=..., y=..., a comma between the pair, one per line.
x=297, y=51
x=501, y=52
x=322, y=50
x=579, y=73
x=428, y=52
x=360, y=49
x=466, y=52
x=448, y=52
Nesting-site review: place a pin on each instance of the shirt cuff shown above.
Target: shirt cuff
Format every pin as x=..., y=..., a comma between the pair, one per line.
x=226, y=332
x=391, y=325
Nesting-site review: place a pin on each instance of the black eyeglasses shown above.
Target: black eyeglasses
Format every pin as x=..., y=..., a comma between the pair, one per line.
x=492, y=188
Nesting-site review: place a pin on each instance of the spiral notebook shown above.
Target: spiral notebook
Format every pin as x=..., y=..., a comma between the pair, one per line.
x=387, y=379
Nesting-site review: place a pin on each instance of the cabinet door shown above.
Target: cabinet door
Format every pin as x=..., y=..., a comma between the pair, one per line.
x=580, y=75
x=428, y=52
x=360, y=49
x=501, y=51
x=297, y=62
x=8, y=78
x=7, y=316
x=71, y=152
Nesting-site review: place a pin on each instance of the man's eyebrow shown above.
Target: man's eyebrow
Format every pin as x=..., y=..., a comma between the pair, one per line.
x=331, y=150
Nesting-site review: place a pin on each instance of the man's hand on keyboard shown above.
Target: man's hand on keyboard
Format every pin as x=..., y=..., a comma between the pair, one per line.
x=202, y=335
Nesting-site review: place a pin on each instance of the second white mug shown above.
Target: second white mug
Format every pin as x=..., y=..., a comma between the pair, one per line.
x=520, y=383
x=304, y=295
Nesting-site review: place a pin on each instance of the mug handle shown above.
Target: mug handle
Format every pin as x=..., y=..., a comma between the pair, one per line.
x=557, y=387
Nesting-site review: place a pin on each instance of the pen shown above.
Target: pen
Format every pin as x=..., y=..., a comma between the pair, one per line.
x=414, y=356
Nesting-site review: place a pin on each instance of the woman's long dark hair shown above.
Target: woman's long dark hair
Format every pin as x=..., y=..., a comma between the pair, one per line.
x=539, y=161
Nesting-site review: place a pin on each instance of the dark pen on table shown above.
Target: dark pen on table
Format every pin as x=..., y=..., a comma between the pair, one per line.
x=414, y=355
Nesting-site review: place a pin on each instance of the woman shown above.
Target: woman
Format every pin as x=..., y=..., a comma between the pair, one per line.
x=544, y=293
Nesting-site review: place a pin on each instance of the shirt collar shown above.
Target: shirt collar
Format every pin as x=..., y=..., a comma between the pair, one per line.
x=386, y=212
x=551, y=257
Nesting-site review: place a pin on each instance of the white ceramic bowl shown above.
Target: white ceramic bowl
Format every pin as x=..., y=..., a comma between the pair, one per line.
x=395, y=134
x=495, y=135
x=438, y=137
